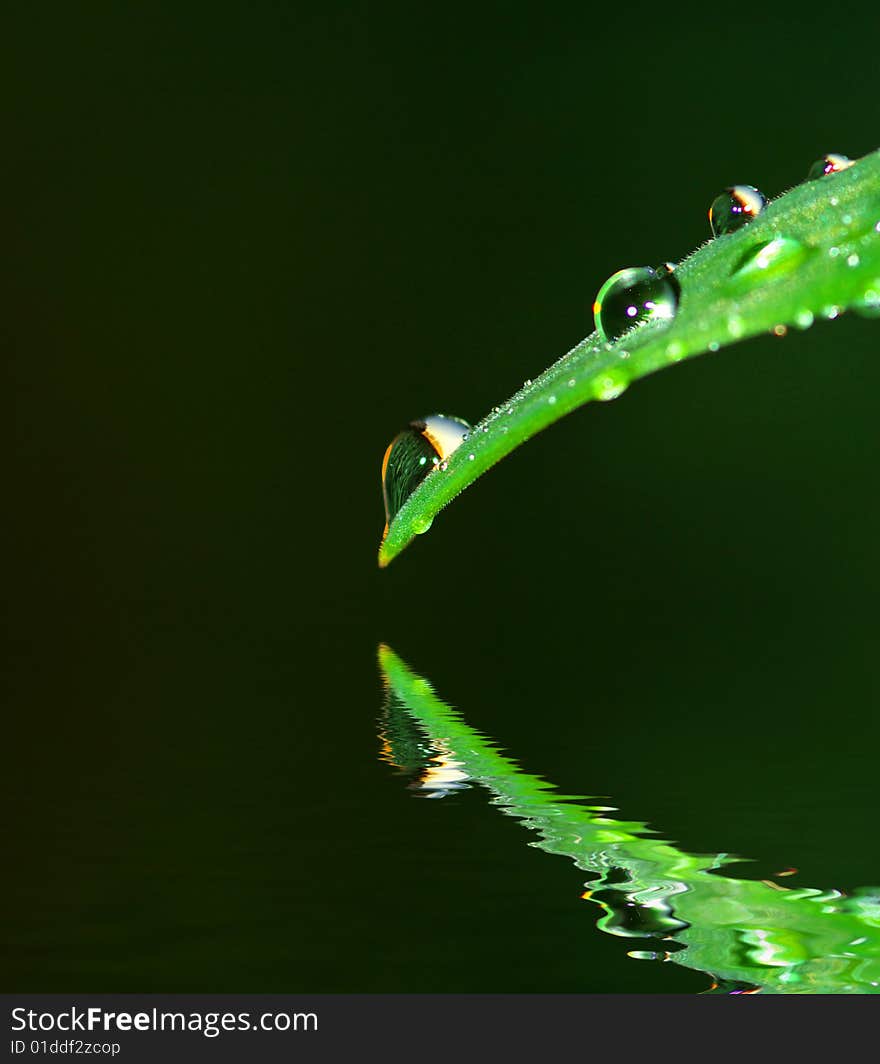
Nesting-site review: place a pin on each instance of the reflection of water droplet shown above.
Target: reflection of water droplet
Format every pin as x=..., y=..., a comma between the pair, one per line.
x=413, y=454
x=734, y=208
x=630, y=919
x=832, y=163
x=648, y=955
x=635, y=296
x=773, y=258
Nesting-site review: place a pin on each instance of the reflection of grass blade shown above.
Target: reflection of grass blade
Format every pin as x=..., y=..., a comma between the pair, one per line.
x=741, y=931
x=832, y=221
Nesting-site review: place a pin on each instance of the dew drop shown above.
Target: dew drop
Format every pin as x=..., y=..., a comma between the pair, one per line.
x=734, y=208
x=648, y=955
x=869, y=304
x=853, y=260
x=804, y=319
x=773, y=258
x=713, y=345
x=413, y=454
x=551, y=400
x=610, y=386
x=832, y=163
x=635, y=296
x=736, y=326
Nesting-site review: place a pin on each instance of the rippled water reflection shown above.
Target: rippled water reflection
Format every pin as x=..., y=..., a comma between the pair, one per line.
x=747, y=935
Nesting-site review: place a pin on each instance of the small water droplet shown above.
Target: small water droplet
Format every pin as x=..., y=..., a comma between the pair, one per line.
x=834, y=252
x=635, y=296
x=648, y=955
x=551, y=400
x=834, y=201
x=831, y=312
x=869, y=305
x=779, y=330
x=804, y=319
x=470, y=457
x=832, y=163
x=675, y=350
x=413, y=454
x=847, y=219
x=713, y=345
x=772, y=258
x=571, y=382
x=853, y=260
x=610, y=386
x=736, y=326
x=734, y=208
x=526, y=383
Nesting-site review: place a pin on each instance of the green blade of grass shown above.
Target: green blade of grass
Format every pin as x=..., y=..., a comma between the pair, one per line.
x=835, y=221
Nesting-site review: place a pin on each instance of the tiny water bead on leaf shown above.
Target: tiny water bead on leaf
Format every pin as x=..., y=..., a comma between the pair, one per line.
x=635, y=296
x=829, y=164
x=413, y=454
x=734, y=208
x=770, y=258
x=868, y=306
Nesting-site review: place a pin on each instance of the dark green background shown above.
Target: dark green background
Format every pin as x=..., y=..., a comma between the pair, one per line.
x=241, y=246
